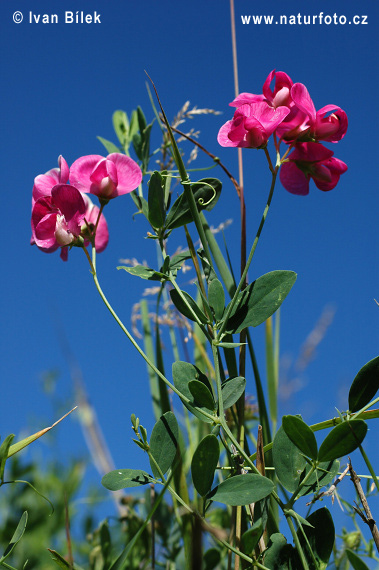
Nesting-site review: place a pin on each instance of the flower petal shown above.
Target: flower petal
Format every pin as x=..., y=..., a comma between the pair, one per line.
x=70, y=202
x=303, y=101
x=293, y=179
x=129, y=173
x=81, y=171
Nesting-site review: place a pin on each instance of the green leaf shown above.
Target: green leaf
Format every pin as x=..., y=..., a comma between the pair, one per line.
x=324, y=474
x=208, y=270
x=177, y=261
x=164, y=443
x=356, y=562
x=204, y=463
x=232, y=390
x=141, y=204
x=62, y=562
x=105, y=542
x=183, y=373
x=206, y=193
x=156, y=201
x=260, y=300
x=289, y=463
x=110, y=147
x=320, y=538
x=144, y=272
x=342, y=440
x=133, y=126
x=301, y=435
x=202, y=396
x=17, y=535
x=125, y=478
x=250, y=538
x=121, y=127
x=211, y=559
x=242, y=490
x=231, y=344
x=365, y=385
x=4, y=453
x=216, y=298
x=182, y=307
x=278, y=554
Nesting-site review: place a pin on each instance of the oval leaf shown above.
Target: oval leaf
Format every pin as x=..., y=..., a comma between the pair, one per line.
x=232, y=390
x=355, y=560
x=365, y=385
x=156, y=201
x=242, y=490
x=289, y=463
x=301, y=435
x=204, y=463
x=183, y=373
x=201, y=394
x=343, y=439
x=144, y=272
x=216, y=298
x=124, y=478
x=260, y=300
x=320, y=538
x=163, y=443
x=184, y=309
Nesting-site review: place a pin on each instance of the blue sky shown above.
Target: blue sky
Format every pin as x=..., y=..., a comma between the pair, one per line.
x=62, y=83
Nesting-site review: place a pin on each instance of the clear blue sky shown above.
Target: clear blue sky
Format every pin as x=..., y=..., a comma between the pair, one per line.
x=61, y=84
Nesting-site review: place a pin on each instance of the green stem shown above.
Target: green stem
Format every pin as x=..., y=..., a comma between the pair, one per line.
x=127, y=333
x=295, y=494
x=357, y=414
x=369, y=466
x=297, y=542
x=251, y=254
x=186, y=183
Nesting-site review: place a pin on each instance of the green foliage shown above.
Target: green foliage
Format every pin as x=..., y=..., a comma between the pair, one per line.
x=342, y=440
x=156, y=201
x=18, y=534
x=124, y=478
x=204, y=463
x=232, y=390
x=317, y=540
x=206, y=193
x=242, y=490
x=163, y=444
x=187, y=306
x=216, y=298
x=301, y=435
x=260, y=300
x=289, y=462
x=183, y=373
x=365, y=385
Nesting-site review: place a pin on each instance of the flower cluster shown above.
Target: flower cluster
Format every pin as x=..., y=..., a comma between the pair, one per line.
x=64, y=215
x=289, y=112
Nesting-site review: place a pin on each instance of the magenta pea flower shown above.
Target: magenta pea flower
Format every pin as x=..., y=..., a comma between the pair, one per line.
x=108, y=177
x=311, y=160
x=57, y=219
x=252, y=125
x=321, y=125
x=90, y=219
x=43, y=183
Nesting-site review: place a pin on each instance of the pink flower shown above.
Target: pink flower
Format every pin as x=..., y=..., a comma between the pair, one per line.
x=108, y=177
x=321, y=126
x=43, y=183
x=90, y=217
x=311, y=160
x=57, y=219
x=253, y=123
